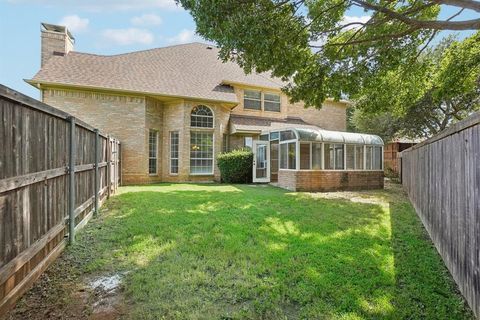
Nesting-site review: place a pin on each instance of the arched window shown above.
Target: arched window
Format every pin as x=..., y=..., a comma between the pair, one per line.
x=201, y=117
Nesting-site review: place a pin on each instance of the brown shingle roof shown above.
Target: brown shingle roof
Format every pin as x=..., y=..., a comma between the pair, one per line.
x=190, y=70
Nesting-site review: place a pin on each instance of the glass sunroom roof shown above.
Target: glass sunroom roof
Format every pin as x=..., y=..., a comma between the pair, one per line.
x=312, y=134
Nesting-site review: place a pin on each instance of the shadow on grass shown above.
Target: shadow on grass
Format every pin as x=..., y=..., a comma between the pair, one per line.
x=423, y=282
x=221, y=252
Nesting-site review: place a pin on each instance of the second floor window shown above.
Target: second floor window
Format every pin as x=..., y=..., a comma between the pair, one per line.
x=252, y=100
x=271, y=102
x=256, y=100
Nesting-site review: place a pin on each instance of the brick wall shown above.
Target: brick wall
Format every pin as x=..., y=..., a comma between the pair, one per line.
x=123, y=117
x=129, y=119
x=332, y=116
x=324, y=180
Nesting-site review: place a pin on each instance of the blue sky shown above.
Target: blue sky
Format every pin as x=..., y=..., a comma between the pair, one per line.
x=99, y=26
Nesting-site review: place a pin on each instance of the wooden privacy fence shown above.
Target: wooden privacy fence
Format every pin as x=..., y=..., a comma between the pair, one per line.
x=55, y=171
x=442, y=178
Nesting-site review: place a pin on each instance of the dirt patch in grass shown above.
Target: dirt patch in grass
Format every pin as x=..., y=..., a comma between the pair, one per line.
x=63, y=292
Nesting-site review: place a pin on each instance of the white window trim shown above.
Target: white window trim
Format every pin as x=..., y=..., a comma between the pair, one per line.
x=364, y=160
x=297, y=155
x=279, y=102
x=213, y=157
x=334, y=156
x=225, y=142
x=354, y=156
x=178, y=153
x=262, y=100
x=203, y=128
x=245, y=142
x=156, y=153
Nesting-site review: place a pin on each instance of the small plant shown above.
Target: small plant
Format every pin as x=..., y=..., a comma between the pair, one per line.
x=392, y=175
x=236, y=166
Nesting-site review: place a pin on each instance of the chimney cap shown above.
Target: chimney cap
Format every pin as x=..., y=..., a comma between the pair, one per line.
x=57, y=28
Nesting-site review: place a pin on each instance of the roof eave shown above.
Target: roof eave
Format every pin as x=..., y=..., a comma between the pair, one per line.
x=249, y=85
x=39, y=83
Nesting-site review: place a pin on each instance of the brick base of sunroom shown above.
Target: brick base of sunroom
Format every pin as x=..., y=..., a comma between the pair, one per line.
x=326, y=180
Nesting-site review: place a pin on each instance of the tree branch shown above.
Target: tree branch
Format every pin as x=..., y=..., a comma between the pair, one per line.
x=466, y=4
x=379, y=38
x=473, y=24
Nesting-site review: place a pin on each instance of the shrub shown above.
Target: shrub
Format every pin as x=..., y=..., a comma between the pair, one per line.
x=236, y=166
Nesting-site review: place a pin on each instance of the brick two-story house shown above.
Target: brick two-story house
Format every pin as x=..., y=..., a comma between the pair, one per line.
x=175, y=108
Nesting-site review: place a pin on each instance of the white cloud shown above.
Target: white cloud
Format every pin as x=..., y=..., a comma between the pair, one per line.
x=184, y=36
x=148, y=19
x=128, y=36
x=103, y=5
x=352, y=19
x=74, y=23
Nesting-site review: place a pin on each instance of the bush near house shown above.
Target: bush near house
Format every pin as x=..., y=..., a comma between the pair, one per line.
x=236, y=166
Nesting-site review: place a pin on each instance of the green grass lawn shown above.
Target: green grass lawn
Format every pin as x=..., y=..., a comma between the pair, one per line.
x=259, y=252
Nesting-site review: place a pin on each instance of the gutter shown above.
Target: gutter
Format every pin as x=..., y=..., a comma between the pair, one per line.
x=41, y=84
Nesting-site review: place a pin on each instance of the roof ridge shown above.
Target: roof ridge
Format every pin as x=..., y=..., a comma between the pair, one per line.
x=141, y=51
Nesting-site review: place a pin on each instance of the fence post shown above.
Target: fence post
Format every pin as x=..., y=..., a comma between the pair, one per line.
x=71, y=185
x=96, y=173
x=120, y=164
x=109, y=166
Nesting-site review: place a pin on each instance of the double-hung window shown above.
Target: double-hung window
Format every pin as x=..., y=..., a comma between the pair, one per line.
x=271, y=102
x=258, y=100
x=152, y=151
x=174, y=141
x=252, y=99
x=201, y=142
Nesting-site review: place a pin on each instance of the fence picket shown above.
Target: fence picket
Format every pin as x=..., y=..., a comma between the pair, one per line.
x=35, y=186
x=442, y=178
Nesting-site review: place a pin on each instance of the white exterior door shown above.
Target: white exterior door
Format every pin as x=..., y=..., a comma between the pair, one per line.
x=261, y=161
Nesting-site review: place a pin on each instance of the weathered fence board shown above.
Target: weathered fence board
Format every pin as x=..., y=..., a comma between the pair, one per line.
x=34, y=186
x=442, y=178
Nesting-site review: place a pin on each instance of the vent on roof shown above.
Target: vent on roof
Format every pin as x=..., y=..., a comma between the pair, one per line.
x=57, y=53
x=209, y=48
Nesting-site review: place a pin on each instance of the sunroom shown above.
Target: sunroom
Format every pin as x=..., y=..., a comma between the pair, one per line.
x=313, y=159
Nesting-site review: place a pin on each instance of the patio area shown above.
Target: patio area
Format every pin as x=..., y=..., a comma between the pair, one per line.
x=187, y=251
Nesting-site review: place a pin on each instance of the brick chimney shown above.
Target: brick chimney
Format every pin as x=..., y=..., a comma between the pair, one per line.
x=56, y=41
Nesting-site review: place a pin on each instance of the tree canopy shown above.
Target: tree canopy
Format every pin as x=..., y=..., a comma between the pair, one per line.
x=441, y=87
x=310, y=45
